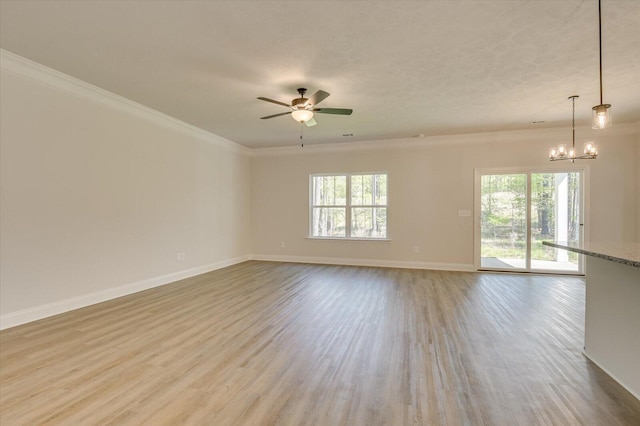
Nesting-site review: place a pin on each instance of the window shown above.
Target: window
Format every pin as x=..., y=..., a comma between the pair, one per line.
x=348, y=206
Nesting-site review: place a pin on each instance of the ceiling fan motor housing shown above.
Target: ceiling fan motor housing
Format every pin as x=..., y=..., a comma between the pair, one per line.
x=299, y=102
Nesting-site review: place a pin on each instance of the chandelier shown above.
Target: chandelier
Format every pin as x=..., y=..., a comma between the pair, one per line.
x=561, y=152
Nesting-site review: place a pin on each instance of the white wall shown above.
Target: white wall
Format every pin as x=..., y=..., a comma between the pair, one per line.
x=429, y=181
x=98, y=195
x=638, y=180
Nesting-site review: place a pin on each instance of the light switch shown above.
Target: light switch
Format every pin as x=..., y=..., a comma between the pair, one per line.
x=464, y=213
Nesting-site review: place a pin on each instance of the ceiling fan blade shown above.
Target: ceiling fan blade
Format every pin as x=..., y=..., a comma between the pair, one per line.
x=339, y=111
x=275, y=115
x=317, y=97
x=310, y=122
x=274, y=102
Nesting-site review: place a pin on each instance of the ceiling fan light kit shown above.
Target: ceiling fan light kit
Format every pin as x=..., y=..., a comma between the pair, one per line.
x=302, y=115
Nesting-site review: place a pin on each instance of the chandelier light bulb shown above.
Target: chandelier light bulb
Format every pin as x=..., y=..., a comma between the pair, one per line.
x=590, y=149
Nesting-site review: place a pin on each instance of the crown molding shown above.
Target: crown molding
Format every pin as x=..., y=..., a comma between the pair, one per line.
x=18, y=65
x=549, y=135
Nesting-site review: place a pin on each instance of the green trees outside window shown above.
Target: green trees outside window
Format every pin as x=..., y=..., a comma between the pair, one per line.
x=349, y=206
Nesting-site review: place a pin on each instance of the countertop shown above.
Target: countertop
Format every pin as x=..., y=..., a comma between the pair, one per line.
x=626, y=253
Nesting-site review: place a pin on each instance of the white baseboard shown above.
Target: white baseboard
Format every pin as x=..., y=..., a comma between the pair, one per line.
x=366, y=262
x=620, y=382
x=13, y=319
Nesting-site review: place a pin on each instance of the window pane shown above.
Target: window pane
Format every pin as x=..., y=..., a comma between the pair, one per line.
x=329, y=190
x=356, y=190
x=316, y=197
x=369, y=222
x=380, y=192
x=369, y=190
x=341, y=191
x=328, y=222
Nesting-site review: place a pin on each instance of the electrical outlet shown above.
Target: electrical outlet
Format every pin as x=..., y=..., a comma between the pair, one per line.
x=181, y=257
x=282, y=245
x=416, y=249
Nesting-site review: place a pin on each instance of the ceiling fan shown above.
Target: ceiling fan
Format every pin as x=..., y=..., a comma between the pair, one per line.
x=303, y=108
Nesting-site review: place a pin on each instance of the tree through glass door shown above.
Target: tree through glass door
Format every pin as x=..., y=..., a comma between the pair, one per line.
x=518, y=211
x=555, y=216
x=503, y=221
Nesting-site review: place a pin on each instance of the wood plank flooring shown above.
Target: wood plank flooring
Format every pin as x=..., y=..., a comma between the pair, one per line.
x=291, y=344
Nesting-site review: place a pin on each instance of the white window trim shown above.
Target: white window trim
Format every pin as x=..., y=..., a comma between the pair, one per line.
x=347, y=207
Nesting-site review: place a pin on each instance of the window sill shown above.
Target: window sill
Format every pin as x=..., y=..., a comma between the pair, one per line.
x=377, y=240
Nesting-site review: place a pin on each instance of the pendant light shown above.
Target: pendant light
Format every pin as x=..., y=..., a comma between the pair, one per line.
x=561, y=153
x=601, y=113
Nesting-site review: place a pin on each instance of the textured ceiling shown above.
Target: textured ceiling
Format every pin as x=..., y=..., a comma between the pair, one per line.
x=405, y=67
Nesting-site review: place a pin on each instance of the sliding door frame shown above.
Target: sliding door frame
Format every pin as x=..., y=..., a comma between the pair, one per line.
x=563, y=167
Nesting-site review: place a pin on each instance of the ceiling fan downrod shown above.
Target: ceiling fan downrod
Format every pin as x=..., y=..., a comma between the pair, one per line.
x=301, y=102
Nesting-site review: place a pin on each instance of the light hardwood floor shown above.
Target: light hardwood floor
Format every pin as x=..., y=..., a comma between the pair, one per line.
x=273, y=343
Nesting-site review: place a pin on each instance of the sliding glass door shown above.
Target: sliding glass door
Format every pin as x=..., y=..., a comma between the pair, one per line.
x=517, y=211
